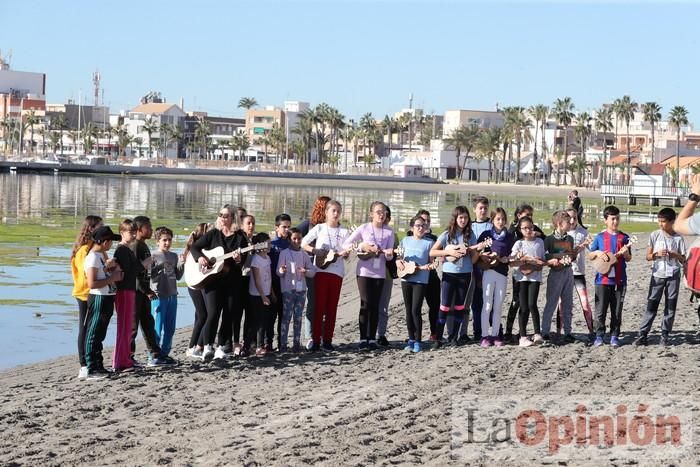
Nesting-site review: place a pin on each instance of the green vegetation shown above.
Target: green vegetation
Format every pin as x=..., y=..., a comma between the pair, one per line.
x=29, y=303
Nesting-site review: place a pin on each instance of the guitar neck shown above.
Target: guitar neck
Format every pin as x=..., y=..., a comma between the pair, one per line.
x=235, y=252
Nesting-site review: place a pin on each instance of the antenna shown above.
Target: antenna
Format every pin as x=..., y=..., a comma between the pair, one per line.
x=410, y=100
x=96, y=81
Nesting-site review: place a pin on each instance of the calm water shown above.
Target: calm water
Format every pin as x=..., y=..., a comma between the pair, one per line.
x=41, y=213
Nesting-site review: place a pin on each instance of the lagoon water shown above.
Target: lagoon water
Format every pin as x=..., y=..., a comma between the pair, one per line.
x=41, y=214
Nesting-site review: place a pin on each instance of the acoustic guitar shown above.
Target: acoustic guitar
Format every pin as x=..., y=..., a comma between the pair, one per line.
x=198, y=277
x=605, y=262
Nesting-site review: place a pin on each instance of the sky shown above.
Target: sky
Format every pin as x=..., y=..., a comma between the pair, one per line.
x=360, y=56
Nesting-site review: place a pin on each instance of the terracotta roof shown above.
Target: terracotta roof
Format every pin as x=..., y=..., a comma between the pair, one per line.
x=153, y=108
x=653, y=169
x=622, y=159
x=684, y=162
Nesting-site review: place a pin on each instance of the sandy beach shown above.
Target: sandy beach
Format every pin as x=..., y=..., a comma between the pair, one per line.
x=343, y=408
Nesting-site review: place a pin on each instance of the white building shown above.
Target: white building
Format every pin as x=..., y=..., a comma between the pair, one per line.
x=160, y=113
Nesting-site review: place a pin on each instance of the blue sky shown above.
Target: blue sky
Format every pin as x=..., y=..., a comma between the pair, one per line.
x=360, y=56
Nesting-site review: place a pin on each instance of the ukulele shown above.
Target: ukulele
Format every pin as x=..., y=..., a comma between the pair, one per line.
x=322, y=261
x=410, y=267
x=463, y=249
x=605, y=262
x=198, y=277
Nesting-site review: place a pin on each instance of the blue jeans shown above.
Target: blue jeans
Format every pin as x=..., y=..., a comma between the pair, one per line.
x=293, y=309
x=164, y=311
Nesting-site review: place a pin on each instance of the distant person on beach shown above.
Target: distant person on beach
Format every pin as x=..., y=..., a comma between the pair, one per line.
x=293, y=267
x=144, y=295
x=494, y=261
x=521, y=211
x=610, y=288
x=166, y=270
x=376, y=240
x=221, y=293
x=456, y=243
x=81, y=248
x=530, y=257
x=575, y=202
x=666, y=250
x=316, y=217
x=196, y=346
x=126, y=295
x=280, y=243
x=101, y=276
x=328, y=236
x=416, y=249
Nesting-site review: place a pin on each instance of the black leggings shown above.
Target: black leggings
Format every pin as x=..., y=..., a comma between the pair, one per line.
x=370, y=293
x=454, y=288
x=82, y=313
x=262, y=320
x=234, y=299
x=413, y=295
x=514, y=308
x=212, y=302
x=528, y=306
x=432, y=298
x=200, y=317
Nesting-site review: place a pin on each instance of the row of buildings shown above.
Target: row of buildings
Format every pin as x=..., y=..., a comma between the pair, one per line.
x=406, y=151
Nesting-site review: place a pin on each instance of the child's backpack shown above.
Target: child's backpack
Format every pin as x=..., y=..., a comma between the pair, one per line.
x=691, y=268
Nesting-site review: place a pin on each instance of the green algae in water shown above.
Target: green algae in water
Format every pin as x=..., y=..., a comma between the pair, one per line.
x=29, y=303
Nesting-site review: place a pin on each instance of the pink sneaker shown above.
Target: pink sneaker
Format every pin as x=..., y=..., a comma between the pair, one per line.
x=485, y=342
x=498, y=342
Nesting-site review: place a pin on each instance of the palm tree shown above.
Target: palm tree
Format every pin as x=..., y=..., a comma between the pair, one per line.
x=463, y=137
x=368, y=127
x=201, y=135
x=563, y=112
x=652, y=115
x=43, y=131
x=90, y=132
x=520, y=127
x=577, y=168
x=123, y=139
x=583, y=130
x=616, y=109
x=31, y=120
x=277, y=139
x=150, y=126
x=304, y=128
x=336, y=121
x=54, y=141
x=603, y=123
x=539, y=113
x=678, y=117
x=388, y=125
x=59, y=123
x=488, y=144
x=247, y=103
x=627, y=109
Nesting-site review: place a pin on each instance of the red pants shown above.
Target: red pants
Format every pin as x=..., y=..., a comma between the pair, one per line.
x=327, y=289
x=125, y=302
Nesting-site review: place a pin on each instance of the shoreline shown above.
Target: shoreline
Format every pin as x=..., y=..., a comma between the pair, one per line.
x=301, y=179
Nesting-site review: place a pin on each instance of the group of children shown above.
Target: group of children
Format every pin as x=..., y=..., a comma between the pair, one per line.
x=140, y=286
x=275, y=280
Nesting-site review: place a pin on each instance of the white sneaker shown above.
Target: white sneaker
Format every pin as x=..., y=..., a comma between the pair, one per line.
x=83, y=373
x=310, y=344
x=537, y=339
x=525, y=342
x=194, y=352
x=220, y=353
x=207, y=353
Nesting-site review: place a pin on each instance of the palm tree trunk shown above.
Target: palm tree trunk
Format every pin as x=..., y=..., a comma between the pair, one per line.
x=678, y=157
x=543, y=147
x=653, y=161
x=566, y=153
x=534, y=154
x=629, y=156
